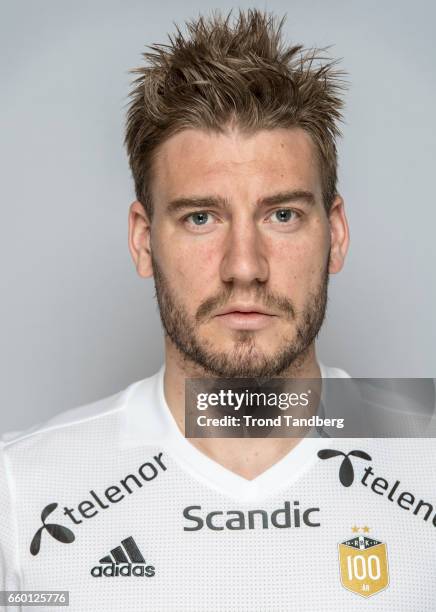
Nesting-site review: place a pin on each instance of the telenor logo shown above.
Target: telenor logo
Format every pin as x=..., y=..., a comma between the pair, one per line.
x=124, y=560
x=58, y=532
x=88, y=509
x=346, y=471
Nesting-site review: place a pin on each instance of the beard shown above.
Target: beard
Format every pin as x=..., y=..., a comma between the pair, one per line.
x=245, y=359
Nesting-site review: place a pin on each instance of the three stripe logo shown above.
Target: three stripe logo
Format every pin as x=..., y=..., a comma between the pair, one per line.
x=130, y=553
x=123, y=560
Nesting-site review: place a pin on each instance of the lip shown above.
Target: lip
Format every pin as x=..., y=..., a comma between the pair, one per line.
x=251, y=318
x=244, y=309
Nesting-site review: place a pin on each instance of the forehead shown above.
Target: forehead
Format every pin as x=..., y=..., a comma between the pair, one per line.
x=194, y=161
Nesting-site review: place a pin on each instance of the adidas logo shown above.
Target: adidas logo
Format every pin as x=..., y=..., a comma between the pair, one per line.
x=124, y=560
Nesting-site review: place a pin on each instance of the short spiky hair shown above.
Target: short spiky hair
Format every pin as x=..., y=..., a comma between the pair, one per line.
x=222, y=72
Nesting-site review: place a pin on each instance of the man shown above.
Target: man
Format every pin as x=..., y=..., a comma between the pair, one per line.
x=231, y=141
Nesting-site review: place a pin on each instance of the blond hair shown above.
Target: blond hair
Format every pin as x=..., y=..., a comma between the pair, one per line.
x=220, y=73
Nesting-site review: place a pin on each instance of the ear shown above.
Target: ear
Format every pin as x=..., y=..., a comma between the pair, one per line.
x=139, y=239
x=340, y=235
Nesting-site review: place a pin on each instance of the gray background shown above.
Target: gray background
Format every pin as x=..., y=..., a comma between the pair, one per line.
x=77, y=322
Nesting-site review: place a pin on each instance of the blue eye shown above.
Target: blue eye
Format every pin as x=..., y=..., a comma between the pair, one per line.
x=199, y=218
x=284, y=215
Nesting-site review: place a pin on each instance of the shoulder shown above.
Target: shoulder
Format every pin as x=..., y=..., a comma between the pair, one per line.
x=73, y=423
x=330, y=372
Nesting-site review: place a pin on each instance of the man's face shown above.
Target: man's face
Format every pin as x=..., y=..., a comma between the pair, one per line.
x=240, y=244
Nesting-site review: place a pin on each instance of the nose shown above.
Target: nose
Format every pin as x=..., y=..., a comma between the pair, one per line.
x=244, y=261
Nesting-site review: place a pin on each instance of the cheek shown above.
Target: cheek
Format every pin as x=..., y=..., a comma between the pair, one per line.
x=191, y=264
x=299, y=263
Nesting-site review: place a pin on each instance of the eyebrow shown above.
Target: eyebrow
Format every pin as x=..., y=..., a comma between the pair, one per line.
x=283, y=197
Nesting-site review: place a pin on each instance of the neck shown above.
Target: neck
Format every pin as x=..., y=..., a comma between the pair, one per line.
x=247, y=457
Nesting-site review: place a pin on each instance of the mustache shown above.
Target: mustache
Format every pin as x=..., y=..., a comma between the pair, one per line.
x=268, y=300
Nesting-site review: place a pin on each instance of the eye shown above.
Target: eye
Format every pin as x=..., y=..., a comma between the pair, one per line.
x=198, y=218
x=284, y=215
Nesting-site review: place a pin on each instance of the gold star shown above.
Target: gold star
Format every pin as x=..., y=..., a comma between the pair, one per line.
x=365, y=529
x=354, y=529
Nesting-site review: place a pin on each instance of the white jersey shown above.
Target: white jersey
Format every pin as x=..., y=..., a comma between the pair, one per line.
x=111, y=503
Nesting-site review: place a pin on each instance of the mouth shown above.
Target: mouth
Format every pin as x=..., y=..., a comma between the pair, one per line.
x=245, y=319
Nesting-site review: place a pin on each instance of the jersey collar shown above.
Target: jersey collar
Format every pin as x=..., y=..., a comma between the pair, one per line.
x=149, y=421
